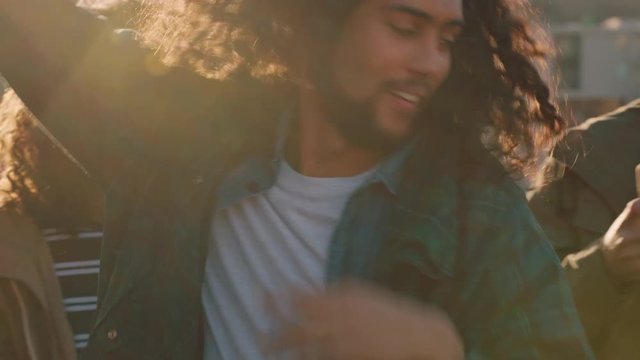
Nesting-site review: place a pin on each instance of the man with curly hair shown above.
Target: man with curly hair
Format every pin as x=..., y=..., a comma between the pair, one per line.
x=340, y=187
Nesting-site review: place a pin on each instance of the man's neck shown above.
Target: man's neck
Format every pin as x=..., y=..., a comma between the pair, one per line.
x=317, y=149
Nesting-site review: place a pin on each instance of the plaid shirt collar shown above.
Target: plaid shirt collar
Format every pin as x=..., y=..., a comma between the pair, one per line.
x=258, y=172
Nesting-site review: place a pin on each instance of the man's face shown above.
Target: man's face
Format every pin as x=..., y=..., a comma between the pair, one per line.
x=390, y=58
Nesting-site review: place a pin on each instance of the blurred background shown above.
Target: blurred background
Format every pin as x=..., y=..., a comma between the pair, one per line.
x=599, y=52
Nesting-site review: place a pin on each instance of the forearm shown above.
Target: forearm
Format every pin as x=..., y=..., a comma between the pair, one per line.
x=84, y=83
x=41, y=42
x=111, y=104
x=46, y=45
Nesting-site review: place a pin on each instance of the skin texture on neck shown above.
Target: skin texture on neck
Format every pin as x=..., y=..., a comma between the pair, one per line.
x=319, y=150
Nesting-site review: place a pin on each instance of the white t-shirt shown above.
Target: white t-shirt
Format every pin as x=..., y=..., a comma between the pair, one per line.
x=271, y=244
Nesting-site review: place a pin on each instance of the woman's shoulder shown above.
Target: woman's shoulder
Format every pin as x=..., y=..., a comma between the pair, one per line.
x=19, y=236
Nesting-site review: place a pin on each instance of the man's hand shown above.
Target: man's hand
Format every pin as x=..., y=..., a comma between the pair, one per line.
x=357, y=321
x=621, y=246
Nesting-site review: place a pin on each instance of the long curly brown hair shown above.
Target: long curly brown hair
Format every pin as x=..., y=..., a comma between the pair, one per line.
x=37, y=178
x=18, y=157
x=498, y=83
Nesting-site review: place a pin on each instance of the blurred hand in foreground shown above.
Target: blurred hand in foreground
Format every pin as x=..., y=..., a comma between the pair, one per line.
x=358, y=321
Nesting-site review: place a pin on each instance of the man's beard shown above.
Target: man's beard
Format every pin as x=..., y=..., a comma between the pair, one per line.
x=355, y=120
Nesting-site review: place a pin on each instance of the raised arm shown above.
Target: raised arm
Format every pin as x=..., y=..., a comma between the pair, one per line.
x=94, y=90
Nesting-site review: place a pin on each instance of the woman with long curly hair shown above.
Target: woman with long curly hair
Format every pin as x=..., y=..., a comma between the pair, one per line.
x=337, y=182
x=50, y=232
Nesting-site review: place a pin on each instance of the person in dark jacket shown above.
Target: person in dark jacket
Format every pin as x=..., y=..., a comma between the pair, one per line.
x=592, y=183
x=327, y=194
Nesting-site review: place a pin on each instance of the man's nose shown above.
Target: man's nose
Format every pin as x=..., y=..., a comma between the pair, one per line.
x=430, y=57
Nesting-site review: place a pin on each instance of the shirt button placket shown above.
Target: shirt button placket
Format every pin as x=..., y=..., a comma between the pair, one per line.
x=112, y=334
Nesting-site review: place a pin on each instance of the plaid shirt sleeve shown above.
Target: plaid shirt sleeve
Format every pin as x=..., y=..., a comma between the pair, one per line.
x=519, y=303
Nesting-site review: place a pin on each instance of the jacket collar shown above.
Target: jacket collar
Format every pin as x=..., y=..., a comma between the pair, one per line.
x=257, y=173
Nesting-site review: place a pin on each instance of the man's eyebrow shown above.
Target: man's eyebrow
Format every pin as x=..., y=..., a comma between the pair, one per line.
x=421, y=14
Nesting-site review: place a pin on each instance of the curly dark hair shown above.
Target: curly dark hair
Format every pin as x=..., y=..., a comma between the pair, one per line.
x=37, y=178
x=19, y=153
x=497, y=77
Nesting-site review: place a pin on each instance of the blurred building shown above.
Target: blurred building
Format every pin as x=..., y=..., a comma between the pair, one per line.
x=599, y=52
x=587, y=11
x=599, y=64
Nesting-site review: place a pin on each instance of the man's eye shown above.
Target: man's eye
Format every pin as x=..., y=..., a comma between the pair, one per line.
x=447, y=42
x=403, y=30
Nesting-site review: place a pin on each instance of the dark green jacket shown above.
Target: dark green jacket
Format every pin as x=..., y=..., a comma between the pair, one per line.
x=594, y=180
x=161, y=142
